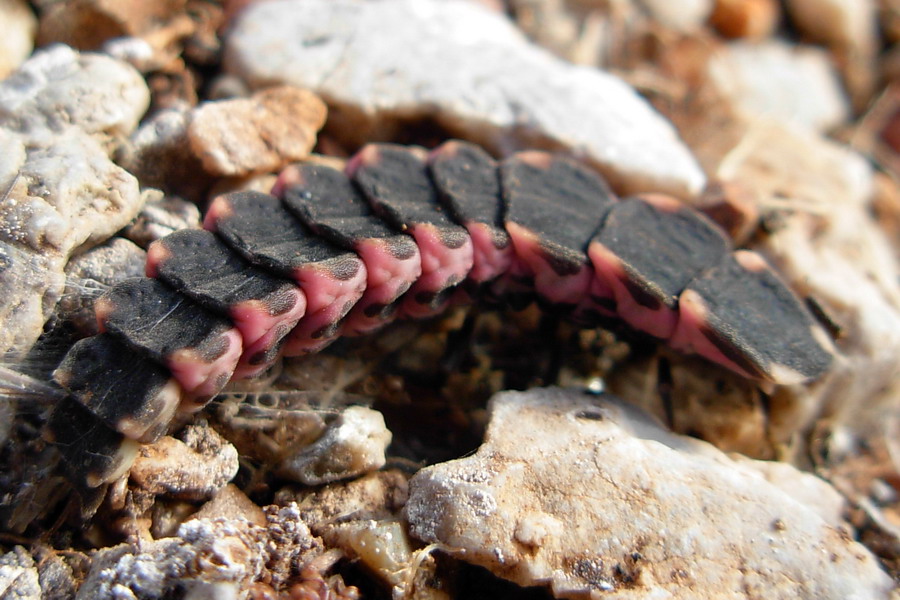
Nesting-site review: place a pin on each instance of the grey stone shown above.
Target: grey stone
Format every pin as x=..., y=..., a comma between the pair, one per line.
x=60, y=194
x=590, y=496
x=58, y=87
x=160, y=216
x=354, y=444
x=380, y=64
x=90, y=274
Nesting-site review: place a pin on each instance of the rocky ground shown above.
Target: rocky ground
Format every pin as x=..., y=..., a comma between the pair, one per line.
x=392, y=465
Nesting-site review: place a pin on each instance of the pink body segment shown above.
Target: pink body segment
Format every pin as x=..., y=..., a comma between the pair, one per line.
x=387, y=278
x=652, y=317
x=442, y=268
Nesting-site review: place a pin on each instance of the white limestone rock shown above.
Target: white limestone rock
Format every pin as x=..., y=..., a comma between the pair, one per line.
x=64, y=196
x=18, y=26
x=18, y=576
x=207, y=558
x=59, y=191
x=794, y=84
x=212, y=558
x=590, y=496
x=378, y=64
x=59, y=87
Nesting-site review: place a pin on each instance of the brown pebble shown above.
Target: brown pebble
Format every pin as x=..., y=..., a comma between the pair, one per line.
x=731, y=205
x=750, y=19
x=251, y=135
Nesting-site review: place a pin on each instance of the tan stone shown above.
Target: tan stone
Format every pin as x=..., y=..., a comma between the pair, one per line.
x=262, y=133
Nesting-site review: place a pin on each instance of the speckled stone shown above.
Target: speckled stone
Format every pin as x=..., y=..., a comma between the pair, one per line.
x=590, y=496
x=59, y=191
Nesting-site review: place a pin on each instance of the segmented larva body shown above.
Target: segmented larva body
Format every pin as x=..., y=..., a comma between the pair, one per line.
x=404, y=232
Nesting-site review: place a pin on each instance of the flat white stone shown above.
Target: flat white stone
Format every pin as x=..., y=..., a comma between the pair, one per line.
x=794, y=84
x=378, y=64
x=591, y=496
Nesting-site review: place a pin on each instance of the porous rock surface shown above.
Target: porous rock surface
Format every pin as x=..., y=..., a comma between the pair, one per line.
x=60, y=115
x=256, y=134
x=196, y=467
x=18, y=576
x=592, y=497
x=207, y=558
x=374, y=63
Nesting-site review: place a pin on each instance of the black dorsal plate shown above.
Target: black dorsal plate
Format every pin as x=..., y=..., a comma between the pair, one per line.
x=328, y=203
x=741, y=312
x=132, y=395
x=662, y=246
x=467, y=182
x=558, y=200
x=257, y=226
x=199, y=265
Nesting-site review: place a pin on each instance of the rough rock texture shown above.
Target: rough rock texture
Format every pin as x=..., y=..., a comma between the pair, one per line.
x=59, y=192
x=160, y=216
x=209, y=558
x=58, y=87
x=374, y=64
x=354, y=444
x=17, y=27
x=195, y=468
x=794, y=84
x=644, y=513
x=361, y=517
x=250, y=135
x=18, y=576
